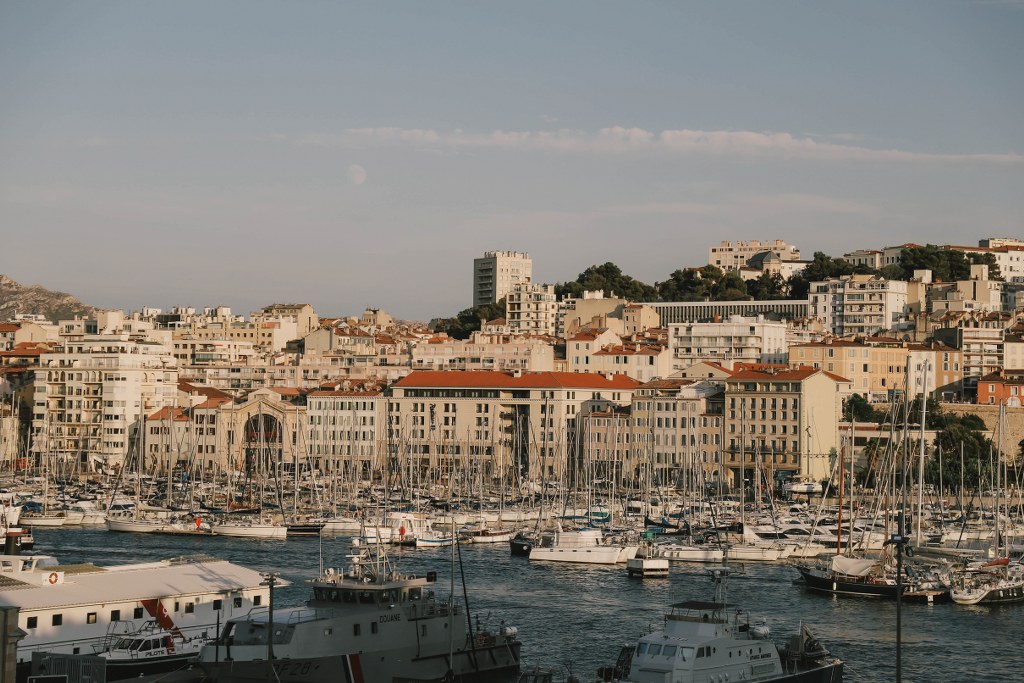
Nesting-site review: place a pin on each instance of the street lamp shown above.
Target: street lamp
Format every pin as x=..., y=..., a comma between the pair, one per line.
x=270, y=580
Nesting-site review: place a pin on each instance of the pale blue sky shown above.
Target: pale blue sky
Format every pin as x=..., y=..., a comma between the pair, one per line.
x=361, y=154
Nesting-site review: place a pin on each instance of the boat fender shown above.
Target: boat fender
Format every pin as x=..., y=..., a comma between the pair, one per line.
x=329, y=572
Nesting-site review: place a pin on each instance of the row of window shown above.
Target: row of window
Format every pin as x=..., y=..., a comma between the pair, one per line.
x=57, y=619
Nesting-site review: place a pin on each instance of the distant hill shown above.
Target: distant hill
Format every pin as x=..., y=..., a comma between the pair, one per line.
x=19, y=298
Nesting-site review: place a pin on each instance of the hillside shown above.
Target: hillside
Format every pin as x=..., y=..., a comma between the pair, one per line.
x=19, y=298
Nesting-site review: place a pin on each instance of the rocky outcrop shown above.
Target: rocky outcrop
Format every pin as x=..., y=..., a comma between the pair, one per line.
x=19, y=298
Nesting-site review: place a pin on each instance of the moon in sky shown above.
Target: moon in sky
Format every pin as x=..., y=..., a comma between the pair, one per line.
x=356, y=174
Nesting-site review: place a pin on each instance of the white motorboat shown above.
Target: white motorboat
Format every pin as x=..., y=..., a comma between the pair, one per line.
x=713, y=641
x=587, y=546
x=250, y=529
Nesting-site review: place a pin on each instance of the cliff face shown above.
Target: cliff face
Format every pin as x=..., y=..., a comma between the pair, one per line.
x=19, y=298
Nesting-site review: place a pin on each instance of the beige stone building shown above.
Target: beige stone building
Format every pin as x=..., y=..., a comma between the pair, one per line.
x=502, y=352
x=877, y=366
x=782, y=421
x=734, y=255
x=507, y=424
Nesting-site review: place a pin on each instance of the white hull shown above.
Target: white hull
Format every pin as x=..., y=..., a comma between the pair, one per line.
x=45, y=520
x=134, y=526
x=690, y=553
x=271, y=531
x=600, y=554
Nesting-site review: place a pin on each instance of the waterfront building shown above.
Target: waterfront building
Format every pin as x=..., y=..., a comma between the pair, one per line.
x=522, y=423
x=782, y=420
x=92, y=390
x=497, y=272
x=734, y=255
x=346, y=432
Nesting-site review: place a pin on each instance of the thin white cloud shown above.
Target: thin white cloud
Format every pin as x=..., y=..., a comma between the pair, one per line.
x=620, y=139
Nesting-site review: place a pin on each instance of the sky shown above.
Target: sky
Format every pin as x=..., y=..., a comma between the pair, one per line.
x=355, y=154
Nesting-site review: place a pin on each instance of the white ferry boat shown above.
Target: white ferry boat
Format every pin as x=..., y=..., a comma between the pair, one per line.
x=369, y=624
x=76, y=609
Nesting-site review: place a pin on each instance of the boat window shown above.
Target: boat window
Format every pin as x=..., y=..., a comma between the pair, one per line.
x=654, y=650
x=123, y=644
x=415, y=593
x=355, y=629
x=145, y=646
x=700, y=652
x=669, y=651
x=641, y=648
x=348, y=596
x=366, y=597
x=686, y=653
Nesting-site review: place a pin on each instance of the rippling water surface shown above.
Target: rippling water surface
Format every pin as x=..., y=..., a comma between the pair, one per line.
x=578, y=617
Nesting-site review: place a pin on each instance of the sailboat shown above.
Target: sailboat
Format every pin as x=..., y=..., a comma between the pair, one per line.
x=997, y=581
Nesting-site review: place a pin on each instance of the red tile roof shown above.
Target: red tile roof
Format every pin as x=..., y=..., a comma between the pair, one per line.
x=528, y=380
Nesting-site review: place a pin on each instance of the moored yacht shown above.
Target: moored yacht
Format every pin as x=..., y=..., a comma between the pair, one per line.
x=713, y=641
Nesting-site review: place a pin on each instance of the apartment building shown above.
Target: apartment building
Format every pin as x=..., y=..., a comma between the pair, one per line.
x=783, y=420
x=738, y=339
x=877, y=367
x=641, y=361
x=346, y=432
x=91, y=392
x=593, y=309
x=638, y=319
x=581, y=347
x=677, y=430
x=483, y=351
x=1003, y=387
x=734, y=255
x=302, y=316
x=531, y=309
x=497, y=272
x=859, y=304
x=510, y=424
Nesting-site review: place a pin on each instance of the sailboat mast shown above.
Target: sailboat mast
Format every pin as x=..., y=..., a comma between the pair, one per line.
x=920, y=461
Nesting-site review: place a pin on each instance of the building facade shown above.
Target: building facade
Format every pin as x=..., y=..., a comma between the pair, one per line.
x=496, y=273
x=531, y=309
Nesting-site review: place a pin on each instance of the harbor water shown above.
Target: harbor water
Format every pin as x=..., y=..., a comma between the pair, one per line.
x=576, y=618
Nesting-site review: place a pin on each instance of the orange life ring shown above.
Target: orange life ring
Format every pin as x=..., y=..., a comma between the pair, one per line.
x=53, y=578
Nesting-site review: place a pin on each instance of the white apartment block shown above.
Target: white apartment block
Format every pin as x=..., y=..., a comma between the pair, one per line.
x=872, y=258
x=1008, y=255
x=739, y=339
x=212, y=351
x=734, y=255
x=484, y=352
x=90, y=393
x=859, y=304
x=531, y=309
x=497, y=272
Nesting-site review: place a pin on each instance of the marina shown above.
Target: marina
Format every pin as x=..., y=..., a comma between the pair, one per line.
x=577, y=617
